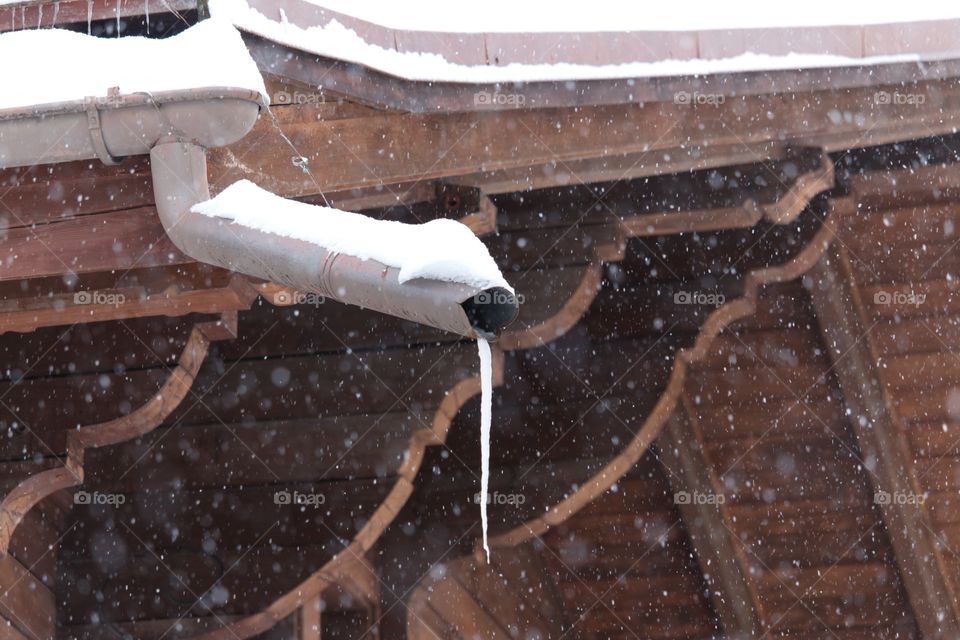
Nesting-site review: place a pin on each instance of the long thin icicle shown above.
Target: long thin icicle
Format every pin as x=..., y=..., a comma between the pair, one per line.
x=486, y=405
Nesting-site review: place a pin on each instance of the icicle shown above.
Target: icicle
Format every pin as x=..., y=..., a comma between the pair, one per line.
x=486, y=404
x=146, y=13
x=89, y=14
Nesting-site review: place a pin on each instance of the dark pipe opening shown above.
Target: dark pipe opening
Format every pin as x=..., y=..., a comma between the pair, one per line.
x=490, y=311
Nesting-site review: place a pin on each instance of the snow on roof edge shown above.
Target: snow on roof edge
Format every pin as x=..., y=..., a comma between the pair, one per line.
x=610, y=16
x=339, y=42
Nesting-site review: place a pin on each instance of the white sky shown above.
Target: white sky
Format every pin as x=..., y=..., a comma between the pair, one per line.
x=477, y=16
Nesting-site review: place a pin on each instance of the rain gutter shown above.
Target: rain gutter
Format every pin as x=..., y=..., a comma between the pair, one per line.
x=176, y=128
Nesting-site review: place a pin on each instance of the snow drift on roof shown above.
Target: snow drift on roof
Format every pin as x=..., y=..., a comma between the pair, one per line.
x=557, y=16
x=336, y=41
x=439, y=249
x=53, y=65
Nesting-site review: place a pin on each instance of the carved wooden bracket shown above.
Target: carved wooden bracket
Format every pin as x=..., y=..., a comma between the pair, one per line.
x=143, y=420
x=349, y=565
x=783, y=211
x=805, y=187
x=715, y=323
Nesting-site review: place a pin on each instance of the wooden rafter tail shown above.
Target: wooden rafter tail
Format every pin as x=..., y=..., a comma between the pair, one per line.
x=804, y=188
x=720, y=319
x=484, y=220
x=23, y=315
x=562, y=321
x=651, y=225
x=147, y=417
x=348, y=567
x=576, y=305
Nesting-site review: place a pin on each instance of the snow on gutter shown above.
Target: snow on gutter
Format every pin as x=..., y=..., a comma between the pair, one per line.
x=106, y=103
x=111, y=98
x=336, y=41
x=59, y=66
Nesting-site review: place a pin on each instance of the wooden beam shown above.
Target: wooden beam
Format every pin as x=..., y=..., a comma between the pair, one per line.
x=462, y=612
x=309, y=622
x=337, y=78
x=390, y=148
x=675, y=222
x=845, y=331
x=513, y=595
x=121, y=241
x=804, y=188
x=136, y=240
x=26, y=604
x=149, y=629
x=629, y=166
x=22, y=315
x=625, y=166
x=111, y=241
x=721, y=562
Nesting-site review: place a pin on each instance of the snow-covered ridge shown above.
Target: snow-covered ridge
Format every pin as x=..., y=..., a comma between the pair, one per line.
x=53, y=65
x=334, y=40
x=558, y=16
x=439, y=249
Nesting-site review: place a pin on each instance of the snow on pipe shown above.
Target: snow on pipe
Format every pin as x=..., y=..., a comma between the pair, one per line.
x=214, y=231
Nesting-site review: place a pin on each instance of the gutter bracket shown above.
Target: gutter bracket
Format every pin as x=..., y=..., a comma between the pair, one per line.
x=96, y=132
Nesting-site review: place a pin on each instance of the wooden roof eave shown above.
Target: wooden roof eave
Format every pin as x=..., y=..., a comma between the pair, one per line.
x=383, y=91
